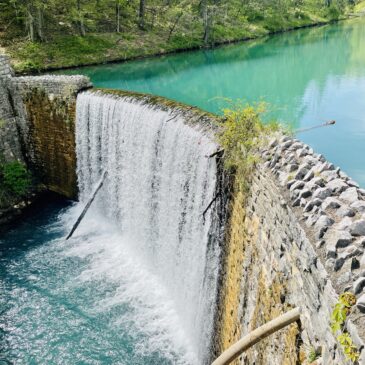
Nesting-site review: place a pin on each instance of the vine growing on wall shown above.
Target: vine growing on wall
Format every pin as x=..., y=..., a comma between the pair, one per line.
x=338, y=319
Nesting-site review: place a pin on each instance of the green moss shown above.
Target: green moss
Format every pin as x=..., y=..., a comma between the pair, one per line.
x=2, y=123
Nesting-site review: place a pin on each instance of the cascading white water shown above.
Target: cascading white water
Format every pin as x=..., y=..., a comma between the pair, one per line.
x=159, y=183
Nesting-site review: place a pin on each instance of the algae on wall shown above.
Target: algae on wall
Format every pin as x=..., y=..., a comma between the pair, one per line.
x=248, y=295
x=228, y=329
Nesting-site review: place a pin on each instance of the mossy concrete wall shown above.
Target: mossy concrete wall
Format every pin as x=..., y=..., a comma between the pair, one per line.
x=49, y=136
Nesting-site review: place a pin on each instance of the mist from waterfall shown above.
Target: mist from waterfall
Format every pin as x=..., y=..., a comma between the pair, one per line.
x=159, y=183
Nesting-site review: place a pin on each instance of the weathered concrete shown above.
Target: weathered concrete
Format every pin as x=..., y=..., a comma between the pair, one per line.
x=49, y=134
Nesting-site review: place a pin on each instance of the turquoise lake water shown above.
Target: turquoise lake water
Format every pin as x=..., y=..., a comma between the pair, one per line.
x=308, y=76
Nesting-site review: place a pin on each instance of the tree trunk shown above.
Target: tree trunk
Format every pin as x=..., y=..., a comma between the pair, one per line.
x=206, y=24
x=40, y=24
x=80, y=19
x=30, y=24
x=174, y=26
x=142, y=8
x=117, y=15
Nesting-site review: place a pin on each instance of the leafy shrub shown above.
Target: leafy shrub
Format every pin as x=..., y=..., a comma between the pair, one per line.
x=313, y=355
x=15, y=178
x=241, y=136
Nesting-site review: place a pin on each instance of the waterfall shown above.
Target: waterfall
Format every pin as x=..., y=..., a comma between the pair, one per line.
x=159, y=183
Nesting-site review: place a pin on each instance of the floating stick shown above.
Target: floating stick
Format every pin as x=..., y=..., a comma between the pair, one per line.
x=87, y=206
x=330, y=122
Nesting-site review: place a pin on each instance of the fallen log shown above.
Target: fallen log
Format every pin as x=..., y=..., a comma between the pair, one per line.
x=87, y=206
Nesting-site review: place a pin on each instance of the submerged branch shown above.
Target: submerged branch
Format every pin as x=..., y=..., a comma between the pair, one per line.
x=87, y=206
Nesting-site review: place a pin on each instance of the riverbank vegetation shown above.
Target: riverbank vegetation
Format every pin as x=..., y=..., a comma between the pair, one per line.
x=40, y=35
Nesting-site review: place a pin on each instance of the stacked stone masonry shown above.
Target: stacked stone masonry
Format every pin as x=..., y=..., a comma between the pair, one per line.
x=10, y=148
x=322, y=213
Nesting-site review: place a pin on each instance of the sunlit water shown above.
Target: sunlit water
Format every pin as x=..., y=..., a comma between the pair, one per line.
x=88, y=300
x=308, y=76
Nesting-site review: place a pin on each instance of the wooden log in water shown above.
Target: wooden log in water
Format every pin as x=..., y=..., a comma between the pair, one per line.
x=87, y=206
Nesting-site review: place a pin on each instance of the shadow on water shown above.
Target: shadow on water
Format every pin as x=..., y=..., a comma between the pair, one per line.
x=29, y=231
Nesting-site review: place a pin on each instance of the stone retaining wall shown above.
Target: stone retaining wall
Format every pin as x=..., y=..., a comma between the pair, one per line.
x=10, y=148
x=298, y=240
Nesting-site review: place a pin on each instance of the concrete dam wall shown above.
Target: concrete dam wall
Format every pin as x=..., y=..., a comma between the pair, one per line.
x=296, y=240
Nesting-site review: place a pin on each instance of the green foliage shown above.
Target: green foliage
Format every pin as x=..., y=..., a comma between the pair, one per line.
x=54, y=34
x=243, y=132
x=15, y=178
x=338, y=318
x=313, y=355
x=334, y=12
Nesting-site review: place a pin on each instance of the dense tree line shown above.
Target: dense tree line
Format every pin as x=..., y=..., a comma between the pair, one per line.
x=40, y=20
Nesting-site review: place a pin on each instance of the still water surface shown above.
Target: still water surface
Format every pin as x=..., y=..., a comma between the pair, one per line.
x=308, y=76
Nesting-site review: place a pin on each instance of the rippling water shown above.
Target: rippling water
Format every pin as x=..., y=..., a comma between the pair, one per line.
x=89, y=300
